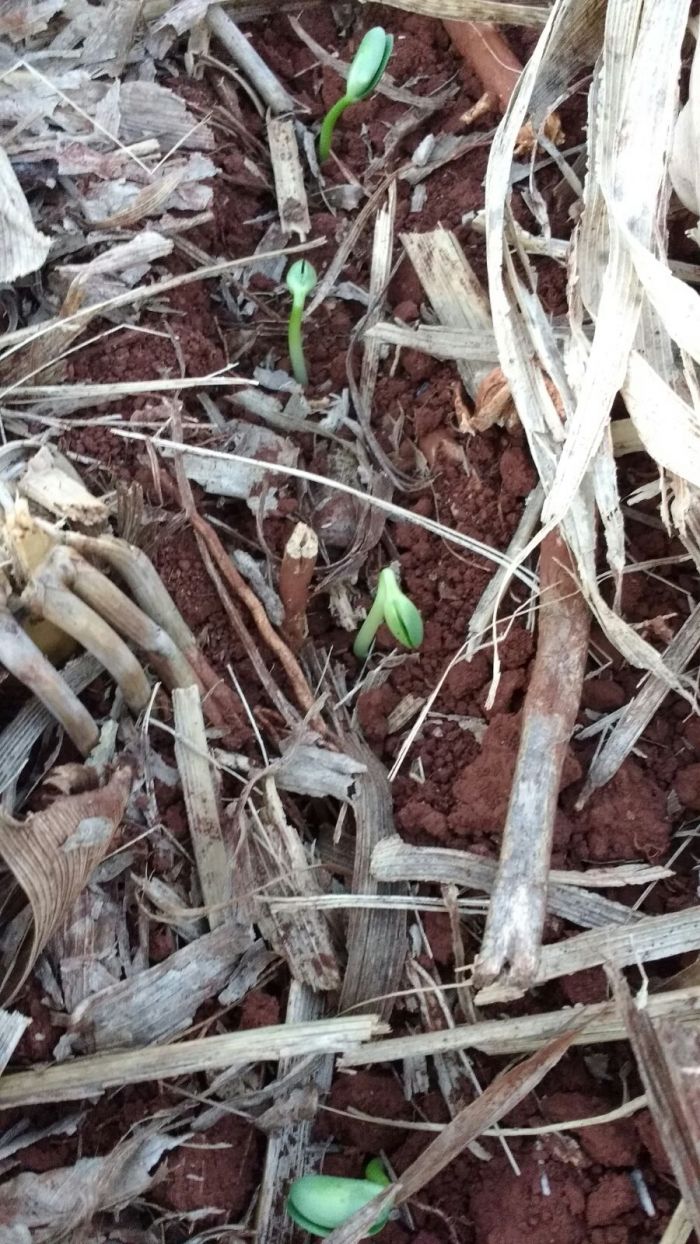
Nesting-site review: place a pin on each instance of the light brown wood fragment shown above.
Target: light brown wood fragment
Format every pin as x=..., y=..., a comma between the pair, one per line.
x=201, y=795
x=376, y=938
x=668, y=1059
x=296, y=572
x=513, y=935
x=290, y=191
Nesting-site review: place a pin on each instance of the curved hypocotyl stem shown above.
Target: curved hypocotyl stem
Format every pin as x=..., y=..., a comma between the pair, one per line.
x=320, y=1203
x=367, y=67
x=301, y=279
x=393, y=607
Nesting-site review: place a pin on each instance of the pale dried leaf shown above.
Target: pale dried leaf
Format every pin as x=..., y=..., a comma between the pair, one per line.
x=118, y=268
x=307, y=769
x=12, y=1026
x=85, y=949
x=51, y=877
x=453, y=290
x=380, y=271
x=289, y=1154
x=158, y=1004
x=679, y=1229
x=478, y=346
x=111, y=36
x=271, y=861
x=120, y=204
x=149, y=110
x=684, y=166
x=50, y=482
x=18, y=739
x=182, y=15
x=224, y=477
x=53, y=1205
x=675, y=444
x=638, y=712
x=22, y=248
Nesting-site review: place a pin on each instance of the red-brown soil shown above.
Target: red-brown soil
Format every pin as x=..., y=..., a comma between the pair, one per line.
x=576, y=1186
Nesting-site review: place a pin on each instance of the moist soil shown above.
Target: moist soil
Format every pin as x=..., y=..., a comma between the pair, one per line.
x=453, y=788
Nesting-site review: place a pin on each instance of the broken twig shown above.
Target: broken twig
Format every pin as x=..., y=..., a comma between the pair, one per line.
x=513, y=934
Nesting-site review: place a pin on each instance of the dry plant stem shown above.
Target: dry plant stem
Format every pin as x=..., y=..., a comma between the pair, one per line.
x=638, y=712
x=679, y=1229
x=668, y=1058
x=496, y=66
x=513, y=934
x=29, y=665
x=220, y=704
x=600, y=1024
x=376, y=938
x=202, y=803
x=252, y=64
x=91, y=1075
x=215, y=559
x=296, y=573
x=96, y=590
x=396, y=860
x=502, y=1095
x=233, y=613
x=237, y=584
x=48, y=597
x=489, y=55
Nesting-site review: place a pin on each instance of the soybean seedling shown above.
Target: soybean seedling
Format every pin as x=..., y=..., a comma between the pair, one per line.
x=320, y=1203
x=301, y=279
x=392, y=606
x=365, y=71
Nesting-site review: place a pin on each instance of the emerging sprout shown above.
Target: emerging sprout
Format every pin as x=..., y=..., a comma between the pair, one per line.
x=365, y=71
x=320, y=1203
x=301, y=279
x=392, y=606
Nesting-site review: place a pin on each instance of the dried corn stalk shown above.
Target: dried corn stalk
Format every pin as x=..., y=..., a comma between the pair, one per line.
x=668, y=1058
x=376, y=937
x=271, y=860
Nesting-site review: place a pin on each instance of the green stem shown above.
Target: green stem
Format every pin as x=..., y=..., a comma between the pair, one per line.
x=325, y=138
x=370, y=626
x=296, y=349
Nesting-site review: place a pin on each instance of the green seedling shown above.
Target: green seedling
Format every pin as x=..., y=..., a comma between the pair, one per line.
x=392, y=606
x=320, y=1203
x=365, y=71
x=301, y=279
